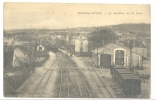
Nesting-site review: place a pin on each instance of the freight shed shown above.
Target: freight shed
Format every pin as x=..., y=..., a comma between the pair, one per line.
x=116, y=54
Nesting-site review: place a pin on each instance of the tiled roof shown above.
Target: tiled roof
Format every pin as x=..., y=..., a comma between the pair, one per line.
x=81, y=37
x=111, y=46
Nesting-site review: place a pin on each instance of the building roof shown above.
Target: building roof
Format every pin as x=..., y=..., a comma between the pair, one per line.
x=23, y=49
x=111, y=46
x=136, y=43
x=81, y=37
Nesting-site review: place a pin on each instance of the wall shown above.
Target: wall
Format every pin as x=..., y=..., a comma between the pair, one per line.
x=85, y=45
x=19, y=58
x=78, y=44
x=140, y=51
x=136, y=60
x=110, y=49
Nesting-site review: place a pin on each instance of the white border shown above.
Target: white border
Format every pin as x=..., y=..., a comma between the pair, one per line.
x=153, y=32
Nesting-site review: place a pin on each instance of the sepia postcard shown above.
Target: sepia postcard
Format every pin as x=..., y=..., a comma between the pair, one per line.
x=65, y=50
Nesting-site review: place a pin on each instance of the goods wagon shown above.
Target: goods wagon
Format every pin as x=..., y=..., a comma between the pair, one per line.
x=113, y=70
x=117, y=73
x=130, y=83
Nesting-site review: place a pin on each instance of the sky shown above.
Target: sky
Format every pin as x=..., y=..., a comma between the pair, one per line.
x=57, y=16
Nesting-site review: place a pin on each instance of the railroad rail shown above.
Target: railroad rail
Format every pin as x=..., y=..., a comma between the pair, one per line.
x=68, y=85
x=78, y=75
x=72, y=65
x=47, y=73
x=89, y=64
x=64, y=78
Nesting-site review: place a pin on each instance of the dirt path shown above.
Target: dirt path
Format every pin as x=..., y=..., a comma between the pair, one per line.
x=28, y=88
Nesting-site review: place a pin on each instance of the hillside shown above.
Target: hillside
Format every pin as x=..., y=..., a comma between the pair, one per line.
x=136, y=28
x=133, y=28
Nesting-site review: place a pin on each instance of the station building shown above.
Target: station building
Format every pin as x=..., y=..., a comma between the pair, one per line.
x=81, y=45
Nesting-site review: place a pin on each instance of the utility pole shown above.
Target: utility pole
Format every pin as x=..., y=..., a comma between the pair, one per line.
x=97, y=47
x=131, y=46
x=39, y=45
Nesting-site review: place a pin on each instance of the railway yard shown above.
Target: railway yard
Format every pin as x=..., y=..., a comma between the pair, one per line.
x=72, y=51
x=62, y=76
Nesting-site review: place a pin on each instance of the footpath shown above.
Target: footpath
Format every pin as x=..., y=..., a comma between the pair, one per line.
x=27, y=88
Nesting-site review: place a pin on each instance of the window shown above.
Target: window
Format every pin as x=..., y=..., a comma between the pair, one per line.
x=81, y=43
x=40, y=48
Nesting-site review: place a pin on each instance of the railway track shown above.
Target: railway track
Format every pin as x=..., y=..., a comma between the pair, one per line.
x=75, y=79
x=85, y=92
x=68, y=82
x=108, y=94
x=64, y=82
x=44, y=80
x=77, y=83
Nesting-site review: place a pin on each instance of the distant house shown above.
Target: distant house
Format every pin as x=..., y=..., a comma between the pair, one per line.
x=125, y=35
x=116, y=54
x=42, y=48
x=16, y=42
x=67, y=39
x=20, y=57
x=145, y=41
x=129, y=36
x=52, y=36
x=16, y=56
x=58, y=36
x=85, y=33
x=119, y=34
x=8, y=41
x=81, y=45
x=138, y=47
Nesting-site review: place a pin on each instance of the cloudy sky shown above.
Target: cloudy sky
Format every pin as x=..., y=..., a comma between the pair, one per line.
x=56, y=16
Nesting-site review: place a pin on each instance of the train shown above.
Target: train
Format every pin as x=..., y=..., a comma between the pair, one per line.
x=130, y=83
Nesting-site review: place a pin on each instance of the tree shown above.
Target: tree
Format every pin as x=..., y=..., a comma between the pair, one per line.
x=105, y=35
x=60, y=42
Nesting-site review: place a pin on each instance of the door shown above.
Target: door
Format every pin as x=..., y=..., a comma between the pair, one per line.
x=119, y=57
x=105, y=60
x=81, y=47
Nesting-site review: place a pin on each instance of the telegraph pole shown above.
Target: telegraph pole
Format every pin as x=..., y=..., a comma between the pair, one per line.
x=131, y=46
x=97, y=47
